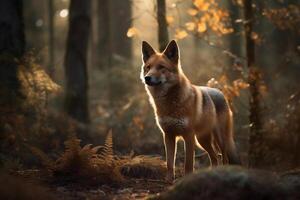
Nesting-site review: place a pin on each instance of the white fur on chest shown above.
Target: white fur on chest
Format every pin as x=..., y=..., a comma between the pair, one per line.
x=167, y=121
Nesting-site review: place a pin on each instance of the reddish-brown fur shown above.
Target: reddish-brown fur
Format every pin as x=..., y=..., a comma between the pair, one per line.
x=197, y=114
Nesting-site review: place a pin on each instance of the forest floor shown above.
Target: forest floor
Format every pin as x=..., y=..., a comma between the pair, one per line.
x=133, y=189
x=129, y=189
x=229, y=180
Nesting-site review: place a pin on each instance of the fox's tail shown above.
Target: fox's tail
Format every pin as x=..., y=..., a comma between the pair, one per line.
x=233, y=157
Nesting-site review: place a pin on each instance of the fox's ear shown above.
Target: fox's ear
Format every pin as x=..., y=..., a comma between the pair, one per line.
x=147, y=51
x=172, y=52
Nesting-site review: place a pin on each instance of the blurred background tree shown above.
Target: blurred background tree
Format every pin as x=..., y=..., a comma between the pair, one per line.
x=76, y=102
x=163, y=33
x=12, y=48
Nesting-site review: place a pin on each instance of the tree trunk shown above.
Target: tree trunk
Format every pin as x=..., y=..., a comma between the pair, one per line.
x=104, y=34
x=93, y=51
x=120, y=17
x=51, y=68
x=163, y=35
x=76, y=100
x=114, y=20
x=256, y=136
x=12, y=47
x=236, y=38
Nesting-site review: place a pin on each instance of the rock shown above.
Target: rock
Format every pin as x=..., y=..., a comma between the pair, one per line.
x=290, y=181
x=228, y=182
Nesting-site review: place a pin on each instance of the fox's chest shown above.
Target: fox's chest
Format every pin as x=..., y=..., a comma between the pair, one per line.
x=174, y=125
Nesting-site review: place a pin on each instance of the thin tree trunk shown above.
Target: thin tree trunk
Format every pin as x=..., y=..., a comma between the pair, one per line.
x=163, y=35
x=12, y=48
x=114, y=19
x=255, y=139
x=104, y=35
x=93, y=52
x=51, y=68
x=76, y=100
x=236, y=38
x=120, y=17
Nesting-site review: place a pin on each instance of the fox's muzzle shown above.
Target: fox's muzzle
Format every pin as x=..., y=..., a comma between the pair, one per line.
x=152, y=81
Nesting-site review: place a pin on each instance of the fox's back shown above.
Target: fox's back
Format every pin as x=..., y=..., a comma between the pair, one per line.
x=217, y=98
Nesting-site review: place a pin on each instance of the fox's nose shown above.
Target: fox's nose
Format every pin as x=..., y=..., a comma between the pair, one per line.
x=148, y=79
x=152, y=81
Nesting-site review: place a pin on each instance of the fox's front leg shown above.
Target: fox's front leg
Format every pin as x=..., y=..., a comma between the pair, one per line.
x=170, y=148
x=189, y=141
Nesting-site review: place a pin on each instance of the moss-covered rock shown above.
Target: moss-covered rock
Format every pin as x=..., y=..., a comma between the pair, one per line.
x=229, y=182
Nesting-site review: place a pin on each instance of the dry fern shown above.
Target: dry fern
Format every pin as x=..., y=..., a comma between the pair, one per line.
x=84, y=164
x=107, y=150
x=75, y=161
x=46, y=161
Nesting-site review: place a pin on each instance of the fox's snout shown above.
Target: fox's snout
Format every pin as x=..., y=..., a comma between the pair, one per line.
x=152, y=80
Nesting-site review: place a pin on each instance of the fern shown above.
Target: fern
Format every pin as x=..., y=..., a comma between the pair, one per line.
x=107, y=151
x=46, y=161
x=84, y=163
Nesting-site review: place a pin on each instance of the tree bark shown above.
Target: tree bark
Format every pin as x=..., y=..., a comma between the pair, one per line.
x=163, y=35
x=236, y=38
x=114, y=20
x=104, y=34
x=256, y=135
x=12, y=48
x=76, y=100
x=120, y=15
x=93, y=41
x=51, y=68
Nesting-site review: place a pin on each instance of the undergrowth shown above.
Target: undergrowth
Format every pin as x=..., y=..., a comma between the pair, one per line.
x=83, y=164
x=99, y=165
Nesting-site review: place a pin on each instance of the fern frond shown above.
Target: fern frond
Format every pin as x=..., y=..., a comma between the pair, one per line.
x=86, y=147
x=46, y=161
x=84, y=164
x=72, y=144
x=95, y=149
x=108, y=146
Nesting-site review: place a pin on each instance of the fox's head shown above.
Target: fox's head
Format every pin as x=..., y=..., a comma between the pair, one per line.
x=160, y=69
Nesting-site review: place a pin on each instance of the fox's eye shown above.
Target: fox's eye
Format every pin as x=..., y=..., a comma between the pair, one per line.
x=161, y=67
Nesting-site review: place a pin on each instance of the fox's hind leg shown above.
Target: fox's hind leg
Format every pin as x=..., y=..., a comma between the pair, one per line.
x=206, y=142
x=218, y=151
x=219, y=141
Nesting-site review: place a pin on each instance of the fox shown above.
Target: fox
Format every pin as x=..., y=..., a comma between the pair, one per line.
x=200, y=115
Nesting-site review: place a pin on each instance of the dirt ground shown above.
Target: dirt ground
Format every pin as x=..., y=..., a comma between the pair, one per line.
x=129, y=189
